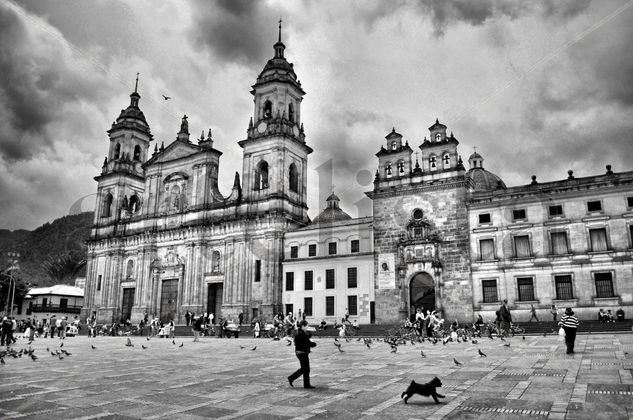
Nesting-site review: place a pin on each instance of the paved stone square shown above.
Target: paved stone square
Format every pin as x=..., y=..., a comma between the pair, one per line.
x=230, y=378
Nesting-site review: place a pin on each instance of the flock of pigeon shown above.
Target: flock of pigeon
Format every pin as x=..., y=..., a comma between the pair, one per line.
x=10, y=352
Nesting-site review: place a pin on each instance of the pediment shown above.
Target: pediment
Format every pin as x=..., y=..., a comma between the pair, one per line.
x=176, y=150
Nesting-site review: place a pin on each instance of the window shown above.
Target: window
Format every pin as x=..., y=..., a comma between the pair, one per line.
x=433, y=163
x=215, y=261
x=291, y=112
x=308, y=280
x=294, y=251
x=307, y=306
x=355, y=245
x=117, y=151
x=255, y=314
x=446, y=161
x=629, y=202
x=329, y=306
x=564, y=289
x=258, y=270
x=261, y=176
x=489, y=288
x=438, y=137
x=44, y=302
x=560, y=245
x=330, y=282
x=594, y=206
x=388, y=172
x=604, y=285
x=331, y=248
x=555, y=211
x=522, y=246
x=293, y=178
x=526, y=288
x=418, y=214
x=598, y=239
x=129, y=272
x=290, y=281
x=352, y=305
x=99, y=282
x=352, y=277
x=137, y=153
x=268, y=109
x=400, y=168
x=518, y=214
x=311, y=250
x=484, y=218
x=63, y=303
x=107, y=205
x=486, y=249
x=394, y=146
x=135, y=203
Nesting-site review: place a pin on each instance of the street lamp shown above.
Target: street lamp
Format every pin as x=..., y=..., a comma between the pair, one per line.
x=13, y=265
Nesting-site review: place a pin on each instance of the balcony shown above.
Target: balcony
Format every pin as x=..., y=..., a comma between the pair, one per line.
x=68, y=309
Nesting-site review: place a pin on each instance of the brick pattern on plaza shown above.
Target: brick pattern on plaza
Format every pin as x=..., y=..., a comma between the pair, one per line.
x=227, y=379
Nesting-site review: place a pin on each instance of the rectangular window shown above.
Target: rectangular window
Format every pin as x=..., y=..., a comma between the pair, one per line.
x=352, y=277
x=518, y=214
x=594, y=206
x=352, y=305
x=489, y=291
x=598, y=239
x=564, y=289
x=604, y=285
x=629, y=202
x=294, y=251
x=331, y=248
x=559, y=243
x=308, y=280
x=63, y=303
x=486, y=249
x=307, y=306
x=330, y=282
x=311, y=250
x=355, y=245
x=484, y=218
x=522, y=246
x=526, y=288
x=329, y=306
x=99, y=282
x=290, y=281
x=258, y=270
x=555, y=211
x=44, y=302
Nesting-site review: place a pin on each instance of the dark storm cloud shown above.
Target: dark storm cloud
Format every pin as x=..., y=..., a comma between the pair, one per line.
x=239, y=31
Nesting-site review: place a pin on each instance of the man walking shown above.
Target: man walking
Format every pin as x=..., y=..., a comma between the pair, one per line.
x=533, y=314
x=506, y=318
x=570, y=324
x=302, y=350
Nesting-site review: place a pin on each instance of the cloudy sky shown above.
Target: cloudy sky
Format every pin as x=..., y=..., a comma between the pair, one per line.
x=538, y=86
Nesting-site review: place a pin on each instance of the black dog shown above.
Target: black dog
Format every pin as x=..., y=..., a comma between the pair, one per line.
x=427, y=390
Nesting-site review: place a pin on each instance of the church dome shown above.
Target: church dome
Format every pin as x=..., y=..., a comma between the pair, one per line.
x=480, y=179
x=132, y=112
x=332, y=212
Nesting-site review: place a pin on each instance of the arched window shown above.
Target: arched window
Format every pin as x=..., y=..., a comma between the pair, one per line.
x=400, y=168
x=291, y=112
x=394, y=146
x=388, y=172
x=433, y=163
x=261, y=176
x=215, y=261
x=107, y=205
x=293, y=178
x=438, y=137
x=137, y=153
x=117, y=150
x=268, y=109
x=446, y=161
x=135, y=204
x=176, y=200
x=129, y=272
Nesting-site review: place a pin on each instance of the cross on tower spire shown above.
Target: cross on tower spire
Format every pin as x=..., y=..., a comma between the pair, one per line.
x=279, y=29
x=136, y=85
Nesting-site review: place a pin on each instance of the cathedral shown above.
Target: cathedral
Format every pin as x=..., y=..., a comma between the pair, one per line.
x=442, y=236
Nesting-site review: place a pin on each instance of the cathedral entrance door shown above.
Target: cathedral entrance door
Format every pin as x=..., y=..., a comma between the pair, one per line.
x=421, y=292
x=214, y=300
x=128, y=302
x=168, y=300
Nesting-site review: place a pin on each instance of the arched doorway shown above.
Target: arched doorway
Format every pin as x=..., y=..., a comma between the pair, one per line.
x=421, y=293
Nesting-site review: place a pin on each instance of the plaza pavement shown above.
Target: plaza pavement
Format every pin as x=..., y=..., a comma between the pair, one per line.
x=217, y=378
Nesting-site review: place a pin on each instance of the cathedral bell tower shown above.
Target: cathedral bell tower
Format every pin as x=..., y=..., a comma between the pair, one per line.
x=122, y=180
x=275, y=153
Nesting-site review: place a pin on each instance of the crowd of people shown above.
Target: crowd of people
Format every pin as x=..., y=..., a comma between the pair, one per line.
x=31, y=328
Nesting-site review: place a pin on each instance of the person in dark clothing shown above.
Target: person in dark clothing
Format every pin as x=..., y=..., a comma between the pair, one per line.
x=302, y=350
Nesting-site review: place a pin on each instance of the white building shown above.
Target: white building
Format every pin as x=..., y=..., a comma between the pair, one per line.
x=328, y=267
x=59, y=300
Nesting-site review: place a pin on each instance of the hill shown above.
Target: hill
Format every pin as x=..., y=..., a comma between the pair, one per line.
x=62, y=237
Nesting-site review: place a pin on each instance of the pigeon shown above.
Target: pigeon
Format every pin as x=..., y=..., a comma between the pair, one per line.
x=422, y=353
x=143, y=347
x=254, y=348
x=129, y=343
x=241, y=347
x=474, y=341
x=53, y=354
x=173, y=342
x=47, y=349
x=336, y=339
x=2, y=361
x=61, y=345
x=506, y=345
x=337, y=344
x=524, y=337
x=181, y=345
x=394, y=349
x=481, y=353
x=66, y=353
x=457, y=362
x=33, y=357
x=93, y=347
x=359, y=338
x=289, y=343
x=147, y=338
x=167, y=97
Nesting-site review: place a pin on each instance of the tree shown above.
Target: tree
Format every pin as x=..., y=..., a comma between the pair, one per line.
x=63, y=268
x=21, y=289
